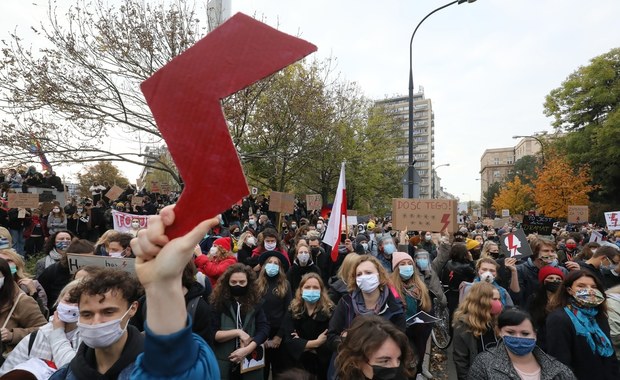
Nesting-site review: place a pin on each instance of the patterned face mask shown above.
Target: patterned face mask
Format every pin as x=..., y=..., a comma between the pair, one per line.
x=589, y=297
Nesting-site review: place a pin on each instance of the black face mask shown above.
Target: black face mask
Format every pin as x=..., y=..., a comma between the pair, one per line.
x=314, y=250
x=238, y=290
x=386, y=373
x=552, y=286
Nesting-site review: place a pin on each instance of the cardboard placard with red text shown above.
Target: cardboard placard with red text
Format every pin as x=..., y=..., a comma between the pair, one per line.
x=435, y=215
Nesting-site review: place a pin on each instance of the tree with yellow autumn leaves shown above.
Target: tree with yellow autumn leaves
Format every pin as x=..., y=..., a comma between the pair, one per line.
x=515, y=196
x=559, y=185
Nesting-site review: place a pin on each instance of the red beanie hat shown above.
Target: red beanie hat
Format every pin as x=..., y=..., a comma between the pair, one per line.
x=223, y=242
x=549, y=270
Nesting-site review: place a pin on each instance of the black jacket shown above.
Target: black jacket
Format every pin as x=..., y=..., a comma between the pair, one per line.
x=296, y=272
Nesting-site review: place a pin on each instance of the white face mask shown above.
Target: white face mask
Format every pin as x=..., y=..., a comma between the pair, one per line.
x=487, y=276
x=103, y=334
x=251, y=241
x=116, y=254
x=68, y=313
x=135, y=225
x=270, y=246
x=367, y=282
x=213, y=251
x=303, y=257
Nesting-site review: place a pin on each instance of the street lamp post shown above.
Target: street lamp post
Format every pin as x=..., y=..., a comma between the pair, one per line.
x=542, y=146
x=433, y=179
x=410, y=168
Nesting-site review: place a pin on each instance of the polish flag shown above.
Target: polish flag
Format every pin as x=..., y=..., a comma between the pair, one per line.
x=339, y=211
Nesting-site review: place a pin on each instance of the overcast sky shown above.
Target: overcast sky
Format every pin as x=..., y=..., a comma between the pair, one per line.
x=487, y=66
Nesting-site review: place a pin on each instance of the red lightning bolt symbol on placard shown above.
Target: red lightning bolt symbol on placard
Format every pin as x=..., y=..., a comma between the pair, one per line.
x=184, y=97
x=445, y=219
x=512, y=247
x=614, y=219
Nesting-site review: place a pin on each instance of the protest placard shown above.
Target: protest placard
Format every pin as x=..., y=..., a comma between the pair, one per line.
x=165, y=188
x=77, y=261
x=155, y=187
x=122, y=220
x=613, y=220
x=595, y=237
x=500, y=223
x=114, y=193
x=436, y=215
x=515, y=245
x=505, y=213
x=539, y=224
x=578, y=214
x=137, y=201
x=23, y=200
x=314, y=202
x=282, y=202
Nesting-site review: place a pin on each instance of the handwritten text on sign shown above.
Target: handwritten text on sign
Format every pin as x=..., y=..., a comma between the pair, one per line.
x=578, y=214
x=613, y=220
x=437, y=215
x=77, y=261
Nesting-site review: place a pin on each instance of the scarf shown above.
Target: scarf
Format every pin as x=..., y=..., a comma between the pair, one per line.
x=359, y=306
x=55, y=255
x=584, y=320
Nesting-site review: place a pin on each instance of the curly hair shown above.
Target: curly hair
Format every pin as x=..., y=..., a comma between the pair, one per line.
x=51, y=241
x=419, y=289
x=383, y=275
x=324, y=305
x=263, y=283
x=220, y=297
x=475, y=310
x=108, y=279
x=366, y=335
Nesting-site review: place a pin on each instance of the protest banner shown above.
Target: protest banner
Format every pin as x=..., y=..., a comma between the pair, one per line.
x=436, y=215
x=314, y=202
x=137, y=201
x=515, y=245
x=282, y=202
x=539, y=224
x=23, y=200
x=505, y=213
x=613, y=220
x=114, y=193
x=77, y=261
x=122, y=220
x=578, y=214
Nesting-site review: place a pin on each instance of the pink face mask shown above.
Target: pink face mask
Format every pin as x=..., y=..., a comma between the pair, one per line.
x=496, y=307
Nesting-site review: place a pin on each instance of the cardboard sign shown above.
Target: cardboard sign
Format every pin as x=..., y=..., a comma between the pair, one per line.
x=185, y=99
x=155, y=187
x=137, y=201
x=515, y=245
x=435, y=215
x=505, y=213
x=578, y=214
x=165, y=188
x=351, y=220
x=613, y=220
x=254, y=190
x=114, y=193
x=314, y=202
x=282, y=202
x=122, y=220
x=76, y=261
x=500, y=223
x=21, y=213
x=539, y=224
x=23, y=200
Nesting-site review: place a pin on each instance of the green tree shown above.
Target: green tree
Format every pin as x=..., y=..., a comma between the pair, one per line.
x=525, y=167
x=489, y=195
x=587, y=108
x=100, y=172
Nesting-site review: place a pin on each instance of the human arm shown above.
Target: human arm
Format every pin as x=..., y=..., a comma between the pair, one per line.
x=510, y=263
x=17, y=356
x=443, y=254
x=337, y=325
x=461, y=351
x=62, y=351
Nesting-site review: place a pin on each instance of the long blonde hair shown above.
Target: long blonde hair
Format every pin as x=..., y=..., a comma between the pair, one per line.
x=418, y=286
x=20, y=265
x=475, y=310
x=324, y=305
x=105, y=238
x=348, y=265
x=262, y=283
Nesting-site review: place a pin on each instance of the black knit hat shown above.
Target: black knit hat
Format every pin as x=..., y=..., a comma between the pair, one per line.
x=267, y=254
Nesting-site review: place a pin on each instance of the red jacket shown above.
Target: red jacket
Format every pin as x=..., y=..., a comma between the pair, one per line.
x=212, y=268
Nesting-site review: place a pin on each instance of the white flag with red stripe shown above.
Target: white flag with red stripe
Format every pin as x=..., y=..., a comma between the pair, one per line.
x=339, y=211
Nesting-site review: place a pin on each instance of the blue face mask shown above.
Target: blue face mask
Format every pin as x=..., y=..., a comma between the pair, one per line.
x=518, y=345
x=272, y=269
x=62, y=245
x=389, y=248
x=422, y=263
x=311, y=295
x=405, y=271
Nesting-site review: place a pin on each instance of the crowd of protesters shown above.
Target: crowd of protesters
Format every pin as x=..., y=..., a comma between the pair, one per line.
x=255, y=286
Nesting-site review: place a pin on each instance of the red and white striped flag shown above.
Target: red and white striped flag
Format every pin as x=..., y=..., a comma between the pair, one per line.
x=339, y=211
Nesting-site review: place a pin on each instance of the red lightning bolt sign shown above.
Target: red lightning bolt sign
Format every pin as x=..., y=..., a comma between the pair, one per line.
x=184, y=97
x=445, y=219
x=614, y=219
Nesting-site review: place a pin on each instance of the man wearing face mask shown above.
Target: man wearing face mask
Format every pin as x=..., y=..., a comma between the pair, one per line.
x=320, y=227
x=384, y=251
x=604, y=260
x=119, y=245
x=110, y=346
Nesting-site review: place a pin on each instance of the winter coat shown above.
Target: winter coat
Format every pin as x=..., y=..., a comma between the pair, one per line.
x=55, y=223
x=337, y=289
x=613, y=311
x=495, y=364
x=466, y=347
x=296, y=272
x=26, y=317
x=213, y=268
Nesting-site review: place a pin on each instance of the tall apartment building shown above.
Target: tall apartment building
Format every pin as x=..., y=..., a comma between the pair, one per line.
x=423, y=137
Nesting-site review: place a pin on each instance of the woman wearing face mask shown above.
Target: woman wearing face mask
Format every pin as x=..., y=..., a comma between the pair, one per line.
x=550, y=278
x=56, y=220
x=415, y=297
x=56, y=341
x=215, y=263
x=474, y=323
x=301, y=265
x=459, y=268
x=490, y=250
x=578, y=332
x=24, y=280
x=270, y=242
x=487, y=272
x=239, y=321
x=425, y=269
x=338, y=284
x=102, y=245
x=516, y=356
x=19, y=314
x=427, y=244
x=55, y=246
x=306, y=326
x=369, y=294
x=247, y=242
x=374, y=349
x=274, y=289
